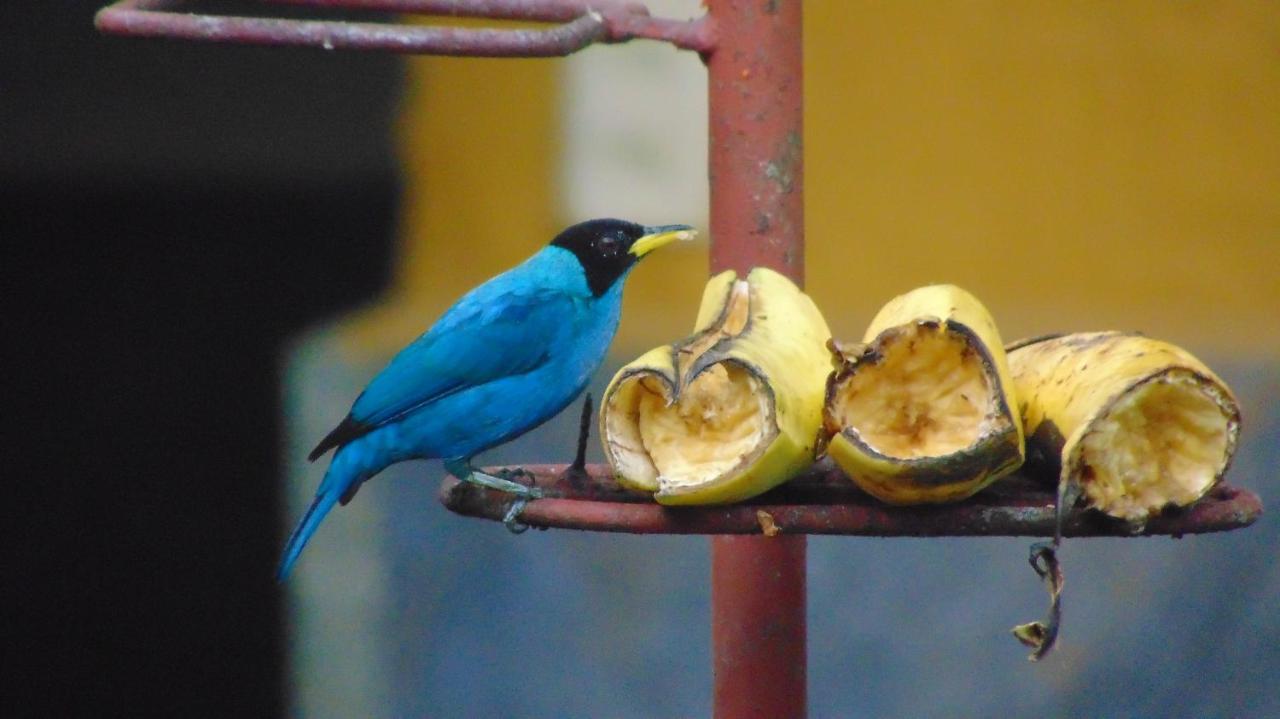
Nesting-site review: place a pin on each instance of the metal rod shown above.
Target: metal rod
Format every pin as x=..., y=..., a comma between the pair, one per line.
x=758, y=626
x=532, y=10
x=757, y=219
x=756, y=163
x=583, y=24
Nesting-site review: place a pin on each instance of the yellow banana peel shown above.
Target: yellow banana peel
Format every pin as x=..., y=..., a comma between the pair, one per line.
x=1135, y=424
x=730, y=412
x=924, y=410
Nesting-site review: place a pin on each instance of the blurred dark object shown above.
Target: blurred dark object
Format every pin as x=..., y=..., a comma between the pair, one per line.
x=170, y=215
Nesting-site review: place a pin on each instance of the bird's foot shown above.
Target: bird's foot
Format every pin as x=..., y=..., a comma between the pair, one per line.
x=514, y=475
x=503, y=481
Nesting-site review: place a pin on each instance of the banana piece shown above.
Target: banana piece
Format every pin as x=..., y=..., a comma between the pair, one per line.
x=730, y=412
x=923, y=412
x=1134, y=423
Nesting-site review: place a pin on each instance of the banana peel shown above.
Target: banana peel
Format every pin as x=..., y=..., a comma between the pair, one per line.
x=730, y=412
x=1131, y=423
x=924, y=410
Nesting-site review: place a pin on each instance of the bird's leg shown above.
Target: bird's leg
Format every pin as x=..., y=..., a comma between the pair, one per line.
x=463, y=470
x=501, y=481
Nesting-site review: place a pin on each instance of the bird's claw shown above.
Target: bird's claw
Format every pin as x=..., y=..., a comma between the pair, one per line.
x=525, y=491
x=512, y=518
x=516, y=474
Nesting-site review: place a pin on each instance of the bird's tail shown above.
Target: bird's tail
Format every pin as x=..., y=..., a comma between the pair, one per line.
x=349, y=468
x=320, y=506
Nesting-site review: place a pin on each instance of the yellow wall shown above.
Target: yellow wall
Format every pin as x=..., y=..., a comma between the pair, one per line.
x=478, y=146
x=1077, y=165
x=1100, y=165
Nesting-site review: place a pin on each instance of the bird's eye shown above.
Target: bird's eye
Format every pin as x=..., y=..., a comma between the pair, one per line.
x=608, y=243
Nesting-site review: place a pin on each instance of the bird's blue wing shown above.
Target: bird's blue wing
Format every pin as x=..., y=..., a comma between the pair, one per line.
x=490, y=334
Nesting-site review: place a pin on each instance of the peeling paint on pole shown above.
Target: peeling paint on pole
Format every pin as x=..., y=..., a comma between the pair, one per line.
x=757, y=148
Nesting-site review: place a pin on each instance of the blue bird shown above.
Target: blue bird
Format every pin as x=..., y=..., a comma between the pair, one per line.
x=505, y=358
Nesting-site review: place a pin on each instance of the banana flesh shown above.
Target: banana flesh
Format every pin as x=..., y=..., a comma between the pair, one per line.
x=733, y=410
x=1135, y=424
x=923, y=411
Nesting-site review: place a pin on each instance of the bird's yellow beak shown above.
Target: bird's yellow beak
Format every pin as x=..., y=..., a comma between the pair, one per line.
x=655, y=237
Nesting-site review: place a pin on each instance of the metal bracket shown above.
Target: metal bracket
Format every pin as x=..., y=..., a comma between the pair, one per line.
x=581, y=23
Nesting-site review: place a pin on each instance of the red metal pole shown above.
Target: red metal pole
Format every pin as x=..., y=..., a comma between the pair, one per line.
x=757, y=218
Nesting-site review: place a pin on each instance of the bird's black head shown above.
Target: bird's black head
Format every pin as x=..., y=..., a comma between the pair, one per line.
x=607, y=248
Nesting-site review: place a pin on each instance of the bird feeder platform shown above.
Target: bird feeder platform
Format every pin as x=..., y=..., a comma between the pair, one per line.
x=824, y=501
x=752, y=52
